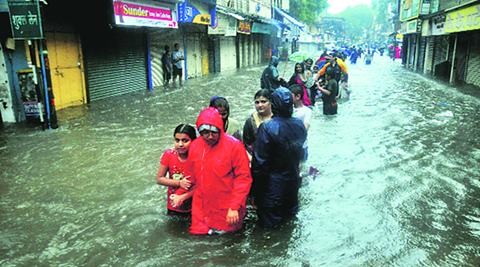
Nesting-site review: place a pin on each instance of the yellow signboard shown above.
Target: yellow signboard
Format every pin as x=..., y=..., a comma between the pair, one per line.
x=466, y=19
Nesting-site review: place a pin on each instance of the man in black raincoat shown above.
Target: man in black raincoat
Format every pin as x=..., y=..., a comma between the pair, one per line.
x=270, y=78
x=275, y=165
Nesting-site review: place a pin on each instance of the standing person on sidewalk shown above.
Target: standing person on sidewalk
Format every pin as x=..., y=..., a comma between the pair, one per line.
x=275, y=165
x=167, y=66
x=177, y=58
x=220, y=171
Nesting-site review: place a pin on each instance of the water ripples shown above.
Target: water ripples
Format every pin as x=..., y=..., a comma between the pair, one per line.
x=398, y=185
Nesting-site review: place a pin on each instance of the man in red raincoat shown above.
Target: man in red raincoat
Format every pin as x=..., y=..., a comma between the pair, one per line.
x=220, y=172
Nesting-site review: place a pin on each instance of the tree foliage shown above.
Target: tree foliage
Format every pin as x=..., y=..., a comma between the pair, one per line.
x=381, y=15
x=358, y=20
x=308, y=11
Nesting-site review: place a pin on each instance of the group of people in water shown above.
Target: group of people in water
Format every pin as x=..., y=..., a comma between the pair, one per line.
x=216, y=166
x=326, y=79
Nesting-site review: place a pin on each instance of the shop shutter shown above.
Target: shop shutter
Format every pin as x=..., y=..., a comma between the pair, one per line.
x=421, y=53
x=429, y=54
x=115, y=63
x=158, y=39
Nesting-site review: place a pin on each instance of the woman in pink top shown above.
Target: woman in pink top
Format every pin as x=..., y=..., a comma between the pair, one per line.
x=300, y=78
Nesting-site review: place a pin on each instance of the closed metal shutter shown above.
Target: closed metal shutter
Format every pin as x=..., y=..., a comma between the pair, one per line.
x=421, y=53
x=228, y=53
x=441, y=48
x=429, y=55
x=115, y=63
x=473, y=71
x=214, y=54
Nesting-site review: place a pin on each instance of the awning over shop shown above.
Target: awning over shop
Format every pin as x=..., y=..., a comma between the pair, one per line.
x=289, y=18
x=229, y=13
x=278, y=24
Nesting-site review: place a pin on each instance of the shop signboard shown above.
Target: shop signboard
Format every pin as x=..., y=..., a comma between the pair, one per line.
x=438, y=25
x=197, y=12
x=29, y=93
x=409, y=9
x=399, y=37
x=244, y=27
x=225, y=25
x=466, y=19
x=261, y=28
x=412, y=26
x=25, y=19
x=135, y=14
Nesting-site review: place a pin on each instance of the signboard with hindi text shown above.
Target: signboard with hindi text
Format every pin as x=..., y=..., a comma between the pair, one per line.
x=25, y=19
x=466, y=19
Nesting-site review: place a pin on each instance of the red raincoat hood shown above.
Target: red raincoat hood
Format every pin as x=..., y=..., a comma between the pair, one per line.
x=210, y=116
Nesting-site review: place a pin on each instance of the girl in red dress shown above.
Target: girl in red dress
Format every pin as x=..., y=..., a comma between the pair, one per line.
x=173, y=162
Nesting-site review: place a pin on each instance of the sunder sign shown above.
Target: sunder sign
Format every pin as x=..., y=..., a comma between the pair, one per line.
x=466, y=19
x=144, y=15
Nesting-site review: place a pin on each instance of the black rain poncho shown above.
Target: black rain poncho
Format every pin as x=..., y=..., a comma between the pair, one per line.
x=275, y=165
x=270, y=78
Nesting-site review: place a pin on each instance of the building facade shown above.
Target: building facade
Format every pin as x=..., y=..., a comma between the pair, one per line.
x=117, y=47
x=442, y=39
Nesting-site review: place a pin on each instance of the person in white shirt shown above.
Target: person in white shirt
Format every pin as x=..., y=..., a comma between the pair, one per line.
x=177, y=59
x=302, y=112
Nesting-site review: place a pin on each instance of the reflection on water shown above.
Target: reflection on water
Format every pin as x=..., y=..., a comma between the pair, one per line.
x=399, y=182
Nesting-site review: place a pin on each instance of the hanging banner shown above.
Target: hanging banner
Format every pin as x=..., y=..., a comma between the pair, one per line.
x=244, y=27
x=196, y=12
x=130, y=14
x=226, y=25
x=467, y=19
x=25, y=19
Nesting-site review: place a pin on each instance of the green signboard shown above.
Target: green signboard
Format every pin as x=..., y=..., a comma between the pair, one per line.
x=409, y=9
x=261, y=28
x=25, y=19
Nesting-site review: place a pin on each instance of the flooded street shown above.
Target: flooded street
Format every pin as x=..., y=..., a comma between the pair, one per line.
x=399, y=181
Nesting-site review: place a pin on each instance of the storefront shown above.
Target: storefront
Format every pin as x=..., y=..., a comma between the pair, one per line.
x=225, y=32
x=243, y=42
x=116, y=60
x=24, y=82
x=464, y=26
x=262, y=34
x=411, y=42
x=194, y=17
